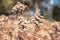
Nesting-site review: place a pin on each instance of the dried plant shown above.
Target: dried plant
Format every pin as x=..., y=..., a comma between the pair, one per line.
x=33, y=28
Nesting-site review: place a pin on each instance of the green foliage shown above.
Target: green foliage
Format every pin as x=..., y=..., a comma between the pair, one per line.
x=56, y=13
x=5, y=5
x=46, y=15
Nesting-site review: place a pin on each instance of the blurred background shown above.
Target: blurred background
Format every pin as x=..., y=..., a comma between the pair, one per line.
x=50, y=9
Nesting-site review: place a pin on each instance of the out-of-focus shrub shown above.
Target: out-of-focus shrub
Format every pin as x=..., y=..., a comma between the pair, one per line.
x=5, y=5
x=46, y=15
x=56, y=13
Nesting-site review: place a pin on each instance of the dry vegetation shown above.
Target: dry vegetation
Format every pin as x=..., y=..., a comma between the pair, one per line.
x=33, y=28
